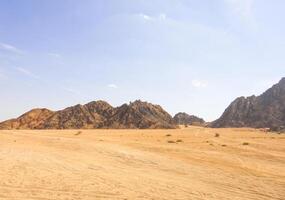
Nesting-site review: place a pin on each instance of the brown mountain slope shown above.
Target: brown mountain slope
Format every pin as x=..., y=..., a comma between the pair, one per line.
x=264, y=111
x=141, y=115
x=91, y=115
x=29, y=120
x=183, y=118
x=96, y=114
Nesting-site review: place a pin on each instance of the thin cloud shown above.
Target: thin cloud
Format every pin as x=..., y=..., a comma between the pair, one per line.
x=114, y=86
x=10, y=48
x=162, y=16
x=34, y=76
x=243, y=9
x=54, y=55
x=199, y=83
x=27, y=72
x=2, y=76
x=70, y=90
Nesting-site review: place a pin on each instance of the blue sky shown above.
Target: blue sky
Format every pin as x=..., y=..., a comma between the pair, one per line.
x=186, y=55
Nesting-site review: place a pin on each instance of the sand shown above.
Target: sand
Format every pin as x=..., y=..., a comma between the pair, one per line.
x=142, y=164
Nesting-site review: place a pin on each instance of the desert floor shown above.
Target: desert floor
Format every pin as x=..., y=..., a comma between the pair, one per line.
x=142, y=164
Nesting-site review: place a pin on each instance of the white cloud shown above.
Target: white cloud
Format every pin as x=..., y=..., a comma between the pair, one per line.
x=10, y=48
x=114, y=86
x=161, y=17
x=146, y=17
x=199, y=83
x=27, y=72
x=55, y=55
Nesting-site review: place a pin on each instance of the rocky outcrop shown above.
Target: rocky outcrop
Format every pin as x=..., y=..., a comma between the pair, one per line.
x=264, y=111
x=96, y=114
x=185, y=119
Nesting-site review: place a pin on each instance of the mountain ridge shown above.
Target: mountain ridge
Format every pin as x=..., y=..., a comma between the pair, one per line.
x=95, y=114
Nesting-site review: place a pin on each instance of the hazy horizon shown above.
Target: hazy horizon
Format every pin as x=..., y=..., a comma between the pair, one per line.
x=185, y=55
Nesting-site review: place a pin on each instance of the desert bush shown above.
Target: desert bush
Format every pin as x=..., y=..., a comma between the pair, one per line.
x=245, y=143
x=179, y=140
x=170, y=141
x=224, y=145
x=217, y=135
x=78, y=133
x=168, y=135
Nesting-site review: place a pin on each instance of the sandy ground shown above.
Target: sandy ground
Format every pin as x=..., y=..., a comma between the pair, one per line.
x=142, y=164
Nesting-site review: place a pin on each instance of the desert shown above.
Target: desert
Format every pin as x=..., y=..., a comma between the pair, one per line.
x=184, y=163
x=142, y=100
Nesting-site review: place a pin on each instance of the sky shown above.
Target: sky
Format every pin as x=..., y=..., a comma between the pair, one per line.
x=185, y=55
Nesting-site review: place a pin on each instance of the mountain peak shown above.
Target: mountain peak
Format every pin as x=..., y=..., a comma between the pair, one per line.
x=282, y=81
x=264, y=111
x=141, y=114
x=183, y=118
x=139, y=102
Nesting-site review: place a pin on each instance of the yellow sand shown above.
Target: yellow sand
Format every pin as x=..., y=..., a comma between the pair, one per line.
x=142, y=164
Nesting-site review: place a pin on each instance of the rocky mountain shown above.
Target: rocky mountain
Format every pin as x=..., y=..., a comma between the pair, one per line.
x=29, y=120
x=140, y=115
x=91, y=115
x=185, y=119
x=96, y=114
x=264, y=111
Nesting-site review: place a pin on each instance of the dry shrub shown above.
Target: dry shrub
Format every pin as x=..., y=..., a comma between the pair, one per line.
x=78, y=133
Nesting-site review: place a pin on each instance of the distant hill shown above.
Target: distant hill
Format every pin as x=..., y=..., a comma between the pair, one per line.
x=183, y=118
x=96, y=114
x=264, y=111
